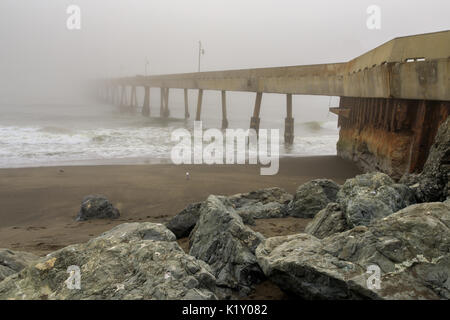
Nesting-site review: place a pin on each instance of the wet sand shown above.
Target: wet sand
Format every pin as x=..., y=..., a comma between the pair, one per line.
x=38, y=205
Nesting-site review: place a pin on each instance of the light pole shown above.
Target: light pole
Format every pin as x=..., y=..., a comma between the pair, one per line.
x=201, y=52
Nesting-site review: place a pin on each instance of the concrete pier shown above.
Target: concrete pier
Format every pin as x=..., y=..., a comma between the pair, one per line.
x=161, y=107
x=186, y=104
x=255, y=120
x=146, y=105
x=133, y=99
x=199, y=105
x=123, y=97
x=392, y=97
x=166, y=111
x=391, y=135
x=224, y=110
x=289, y=121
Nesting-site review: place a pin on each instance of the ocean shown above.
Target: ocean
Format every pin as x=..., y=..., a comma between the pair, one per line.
x=34, y=135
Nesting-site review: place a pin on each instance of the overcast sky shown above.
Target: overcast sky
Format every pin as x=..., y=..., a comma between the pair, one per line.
x=117, y=36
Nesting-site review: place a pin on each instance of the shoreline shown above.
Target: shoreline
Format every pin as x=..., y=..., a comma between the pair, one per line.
x=39, y=205
x=136, y=161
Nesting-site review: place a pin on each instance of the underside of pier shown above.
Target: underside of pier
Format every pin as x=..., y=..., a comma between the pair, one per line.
x=389, y=135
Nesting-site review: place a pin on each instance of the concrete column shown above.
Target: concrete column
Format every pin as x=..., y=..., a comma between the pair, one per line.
x=115, y=98
x=186, y=104
x=107, y=93
x=118, y=96
x=110, y=94
x=289, y=121
x=161, y=108
x=224, y=110
x=166, y=112
x=199, y=104
x=123, y=96
x=133, y=98
x=255, y=120
x=146, y=106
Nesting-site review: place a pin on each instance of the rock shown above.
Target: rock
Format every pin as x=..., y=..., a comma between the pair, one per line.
x=312, y=197
x=263, y=196
x=410, y=179
x=97, y=207
x=411, y=247
x=433, y=183
x=132, y=261
x=183, y=223
x=372, y=196
x=260, y=210
x=260, y=204
x=14, y=261
x=327, y=222
x=139, y=231
x=221, y=239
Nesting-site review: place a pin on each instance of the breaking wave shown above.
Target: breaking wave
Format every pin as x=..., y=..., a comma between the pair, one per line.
x=51, y=145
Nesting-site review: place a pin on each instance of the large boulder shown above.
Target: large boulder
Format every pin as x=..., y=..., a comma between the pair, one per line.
x=328, y=221
x=372, y=196
x=138, y=231
x=97, y=207
x=183, y=223
x=221, y=239
x=411, y=248
x=14, y=261
x=312, y=197
x=260, y=204
x=433, y=183
x=132, y=261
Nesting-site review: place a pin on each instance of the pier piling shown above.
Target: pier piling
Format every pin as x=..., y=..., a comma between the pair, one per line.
x=199, y=105
x=289, y=121
x=146, y=106
x=186, y=104
x=255, y=120
x=224, y=110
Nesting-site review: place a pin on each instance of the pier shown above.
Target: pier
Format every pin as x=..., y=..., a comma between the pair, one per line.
x=392, y=98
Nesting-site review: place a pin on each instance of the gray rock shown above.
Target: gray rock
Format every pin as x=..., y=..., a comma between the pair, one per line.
x=262, y=196
x=97, y=207
x=328, y=221
x=410, y=179
x=132, y=261
x=221, y=239
x=183, y=223
x=14, y=261
x=312, y=197
x=260, y=204
x=372, y=196
x=411, y=247
x=138, y=231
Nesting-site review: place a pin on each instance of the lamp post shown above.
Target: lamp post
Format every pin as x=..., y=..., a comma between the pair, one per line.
x=201, y=52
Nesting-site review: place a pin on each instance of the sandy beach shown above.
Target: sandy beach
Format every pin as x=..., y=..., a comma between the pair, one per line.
x=39, y=205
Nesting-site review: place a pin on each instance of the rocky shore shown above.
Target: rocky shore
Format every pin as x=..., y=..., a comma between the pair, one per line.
x=402, y=228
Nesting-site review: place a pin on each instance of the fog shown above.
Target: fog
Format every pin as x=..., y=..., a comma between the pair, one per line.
x=41, y=61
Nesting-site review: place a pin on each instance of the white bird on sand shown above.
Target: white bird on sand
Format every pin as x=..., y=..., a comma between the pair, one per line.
x=187, y=175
